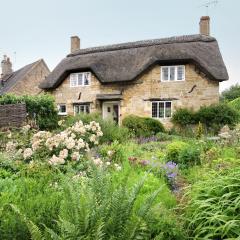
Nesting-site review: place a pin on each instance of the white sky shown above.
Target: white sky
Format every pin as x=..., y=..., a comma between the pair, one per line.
x=35, y=29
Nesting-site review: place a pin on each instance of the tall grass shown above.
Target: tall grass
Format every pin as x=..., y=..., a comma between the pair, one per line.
x=214, y=208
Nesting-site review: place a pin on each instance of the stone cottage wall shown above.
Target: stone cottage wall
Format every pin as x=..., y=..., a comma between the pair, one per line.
x=195, y=91
x=29, y=85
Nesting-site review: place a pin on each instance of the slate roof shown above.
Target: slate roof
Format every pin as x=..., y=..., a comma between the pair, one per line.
x=8, y=81
x=125, y=62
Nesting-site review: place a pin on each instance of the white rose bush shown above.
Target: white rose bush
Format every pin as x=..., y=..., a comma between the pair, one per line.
x=68, y=145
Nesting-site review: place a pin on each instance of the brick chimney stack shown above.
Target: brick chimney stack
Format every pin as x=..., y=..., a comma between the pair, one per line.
x=204, y=25
x=75, y=43
x=6, y=66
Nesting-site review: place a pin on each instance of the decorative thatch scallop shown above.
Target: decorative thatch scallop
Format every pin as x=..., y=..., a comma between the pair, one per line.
x=125, y=62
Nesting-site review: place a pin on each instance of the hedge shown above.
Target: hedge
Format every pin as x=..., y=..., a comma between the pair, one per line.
x=142, y=126
x=40, y=108
x=213, y=117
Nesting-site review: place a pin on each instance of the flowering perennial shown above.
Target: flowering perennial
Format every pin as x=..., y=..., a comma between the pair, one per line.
x=68, y=145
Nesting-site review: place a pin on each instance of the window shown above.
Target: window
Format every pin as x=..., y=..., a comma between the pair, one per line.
x=81, y=108
x=162, y=109
x=80, y=79
x=62, y=109
x=173, y=73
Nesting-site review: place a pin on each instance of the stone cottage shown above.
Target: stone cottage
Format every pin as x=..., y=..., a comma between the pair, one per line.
x=23, y=81
x=147, y=78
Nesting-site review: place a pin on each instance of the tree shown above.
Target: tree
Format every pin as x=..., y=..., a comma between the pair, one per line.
x=231, y=93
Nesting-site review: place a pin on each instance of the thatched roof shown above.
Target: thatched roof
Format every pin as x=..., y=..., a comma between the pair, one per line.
x=8, y=81
x=125, y=62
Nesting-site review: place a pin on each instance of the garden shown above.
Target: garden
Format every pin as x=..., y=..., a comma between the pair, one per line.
x=83, y=177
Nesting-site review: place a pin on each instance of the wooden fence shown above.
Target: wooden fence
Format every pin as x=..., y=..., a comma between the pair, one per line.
x=12, y=115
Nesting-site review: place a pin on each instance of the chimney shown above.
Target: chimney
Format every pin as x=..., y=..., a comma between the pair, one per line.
x=6, y=66
x=75, y=43
x=204, y=25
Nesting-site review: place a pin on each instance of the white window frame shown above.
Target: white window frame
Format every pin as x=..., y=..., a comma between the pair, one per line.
x=59, y=107
x=175, y=72
x=164, y=117
x=81, y=104
x=73, y=75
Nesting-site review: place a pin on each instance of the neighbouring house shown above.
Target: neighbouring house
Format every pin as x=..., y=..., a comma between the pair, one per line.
x=23, y=81
x=147, y=78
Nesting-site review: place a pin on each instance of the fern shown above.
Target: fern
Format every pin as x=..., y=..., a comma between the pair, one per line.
x=97, y=208
x=33, y=229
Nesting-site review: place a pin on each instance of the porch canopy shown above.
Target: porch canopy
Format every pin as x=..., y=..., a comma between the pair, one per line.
x=106, y=97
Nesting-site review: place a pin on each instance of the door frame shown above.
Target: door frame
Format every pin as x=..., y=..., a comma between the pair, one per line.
x=113, y=103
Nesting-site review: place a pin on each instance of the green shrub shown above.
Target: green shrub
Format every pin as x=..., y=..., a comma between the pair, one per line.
x=182, y=153
x=174, y=149
x=111, y=131
x=217, y=115
x=153, y=125
x=183, y=117
x=189, y=156
x=235, y=104
x=231, y=93
x=114, y=152
x=40, y=108
x=213, y=210
x=140, y=126
x=213, y=117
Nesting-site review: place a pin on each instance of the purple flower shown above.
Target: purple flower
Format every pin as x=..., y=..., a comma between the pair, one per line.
x=171, y=172
x=170, y=165
x=171, y=175
x=143, y=140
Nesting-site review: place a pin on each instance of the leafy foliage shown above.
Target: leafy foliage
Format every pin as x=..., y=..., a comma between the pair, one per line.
x=230, y=94
x=36, y=197
x=98, y=208
x=235, y=104
x=183, y=154
x=213, y=212
x=140, y=126
x=213, y=117
x=40, y=108
x=183, y=117
x=111, y=131
x=217, y=115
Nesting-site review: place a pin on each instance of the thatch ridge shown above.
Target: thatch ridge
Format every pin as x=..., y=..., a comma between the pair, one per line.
x=125, y=62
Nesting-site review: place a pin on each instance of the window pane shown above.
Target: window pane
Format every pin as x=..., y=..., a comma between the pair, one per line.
x=180, y=73
x=73, y=80
x=82, y=108
x=168, y=109
x=172, y=73
x=62, y=108
x=87, y=109
x=76, y=109
x=80, y=77
x=154, y=109
x=161, y=109
x=86, y=78
x=164, y=73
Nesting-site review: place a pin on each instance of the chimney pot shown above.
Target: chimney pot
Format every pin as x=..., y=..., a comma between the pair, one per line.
x=6, y=66
x=75, y=43
x=204, y=25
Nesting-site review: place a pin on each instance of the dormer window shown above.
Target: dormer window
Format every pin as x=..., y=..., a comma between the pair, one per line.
x=80, y=79
x=172, y=73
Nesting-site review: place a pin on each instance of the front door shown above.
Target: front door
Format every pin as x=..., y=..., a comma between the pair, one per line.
x=111, y=111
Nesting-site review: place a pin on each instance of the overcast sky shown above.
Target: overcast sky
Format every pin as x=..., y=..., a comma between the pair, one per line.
x=32, y=29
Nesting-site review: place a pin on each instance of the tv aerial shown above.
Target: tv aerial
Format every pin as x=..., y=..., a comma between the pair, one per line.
x=208, y=4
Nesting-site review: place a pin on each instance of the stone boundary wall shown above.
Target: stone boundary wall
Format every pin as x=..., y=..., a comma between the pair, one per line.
x=12, y=115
